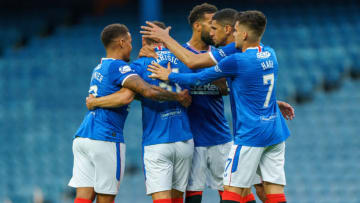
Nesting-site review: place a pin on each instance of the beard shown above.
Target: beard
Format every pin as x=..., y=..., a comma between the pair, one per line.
x=205, y=37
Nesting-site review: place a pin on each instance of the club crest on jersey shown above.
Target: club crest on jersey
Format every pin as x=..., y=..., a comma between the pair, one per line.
x=124, y=69
x=263, y=55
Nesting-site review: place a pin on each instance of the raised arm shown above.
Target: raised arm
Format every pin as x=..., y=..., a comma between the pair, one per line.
x=120, y=98
x=200, y=78
x=138, y=85
x=189, y=58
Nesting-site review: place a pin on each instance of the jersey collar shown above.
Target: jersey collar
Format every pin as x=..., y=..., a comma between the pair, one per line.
x=259, y=48
x=102, y=59
x=194, y=49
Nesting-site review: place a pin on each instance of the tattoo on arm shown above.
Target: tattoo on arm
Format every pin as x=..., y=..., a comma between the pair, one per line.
x=138, y=85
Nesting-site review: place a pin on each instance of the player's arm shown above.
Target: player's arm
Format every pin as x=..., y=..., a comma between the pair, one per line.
x=221, y=84
x=120, y=98
x=189, y=58
x=224, y=69
x=138, y=85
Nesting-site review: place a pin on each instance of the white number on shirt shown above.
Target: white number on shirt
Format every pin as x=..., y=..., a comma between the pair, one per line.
x=169, y=87
x=266, y=79
x=93, y=90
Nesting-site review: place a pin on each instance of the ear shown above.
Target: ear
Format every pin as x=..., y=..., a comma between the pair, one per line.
x=197, y=26
x=122, y=43
x=228, y=29
x=245, y=36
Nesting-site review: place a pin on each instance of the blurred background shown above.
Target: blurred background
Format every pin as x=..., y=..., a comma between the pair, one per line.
x=48, y=49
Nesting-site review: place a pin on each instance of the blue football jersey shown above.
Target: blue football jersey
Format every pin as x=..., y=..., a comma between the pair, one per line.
x=206, y=113
x=252, y=76
x=166, y=121
x=219, y=54
x=106, y=124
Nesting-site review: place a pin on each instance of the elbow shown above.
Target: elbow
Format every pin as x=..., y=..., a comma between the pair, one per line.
x=128, y=100
x=149, y=94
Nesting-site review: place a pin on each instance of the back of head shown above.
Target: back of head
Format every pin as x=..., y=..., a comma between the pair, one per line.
x=198, y=12
x=255, y=21
x=113, y=31
x=151, y=41
x=225, y=17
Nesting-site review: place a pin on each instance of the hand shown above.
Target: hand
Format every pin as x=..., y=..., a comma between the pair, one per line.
x=184, y=98
x=159, y=72
x=90, y=102
x=155, y=32
x=147, y=51
x=286, y=110
x=222, y=86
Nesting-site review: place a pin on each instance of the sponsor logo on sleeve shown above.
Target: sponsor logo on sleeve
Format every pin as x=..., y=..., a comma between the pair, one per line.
x=124, y=69
x=217, y=69
x=263, y=55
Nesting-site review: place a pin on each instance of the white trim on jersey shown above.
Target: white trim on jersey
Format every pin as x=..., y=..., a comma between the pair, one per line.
x=212, y=57
x=127, y=78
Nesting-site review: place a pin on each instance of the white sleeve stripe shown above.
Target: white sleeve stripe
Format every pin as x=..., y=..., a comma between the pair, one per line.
x=212, y=57
x=122, y=83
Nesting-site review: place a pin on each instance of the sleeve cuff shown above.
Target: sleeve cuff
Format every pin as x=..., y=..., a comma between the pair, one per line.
x=212, y=57
x=122, y=83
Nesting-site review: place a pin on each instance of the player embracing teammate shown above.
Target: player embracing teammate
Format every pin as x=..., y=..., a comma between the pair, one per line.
x=260, y=130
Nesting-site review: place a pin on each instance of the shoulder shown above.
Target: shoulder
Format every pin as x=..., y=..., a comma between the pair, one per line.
x=119, y=66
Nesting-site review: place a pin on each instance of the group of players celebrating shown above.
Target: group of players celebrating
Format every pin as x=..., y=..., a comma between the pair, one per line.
x=186, y=143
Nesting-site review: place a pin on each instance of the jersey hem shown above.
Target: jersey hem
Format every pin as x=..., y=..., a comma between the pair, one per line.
x=167, y=141
x=212, y=144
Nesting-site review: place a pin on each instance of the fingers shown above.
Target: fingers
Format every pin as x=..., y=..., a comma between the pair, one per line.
x=147, y=28
x=151, y=24
x=155, y=76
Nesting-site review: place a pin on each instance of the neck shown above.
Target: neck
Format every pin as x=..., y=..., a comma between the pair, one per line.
x=230, y=39
x=197, y=43
x=252, y=44
x=114, y=54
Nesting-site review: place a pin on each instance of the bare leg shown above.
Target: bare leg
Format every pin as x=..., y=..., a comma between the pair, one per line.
x=85, y=193
x=162, y=195
x=260, y=192
x=103, y=198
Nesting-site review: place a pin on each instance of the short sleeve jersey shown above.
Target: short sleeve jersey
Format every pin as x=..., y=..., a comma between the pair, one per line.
x=206, y=113
x=252, y=77
x=106, y=124
x=165, y=121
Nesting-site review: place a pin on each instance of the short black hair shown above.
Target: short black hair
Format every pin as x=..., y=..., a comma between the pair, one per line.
x=161, y=25
x=225, y=16
x=254, y=20
x=198, y=12
x=112, y=32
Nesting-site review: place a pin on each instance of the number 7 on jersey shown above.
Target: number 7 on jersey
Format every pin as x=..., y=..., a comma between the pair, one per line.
x=266, y=79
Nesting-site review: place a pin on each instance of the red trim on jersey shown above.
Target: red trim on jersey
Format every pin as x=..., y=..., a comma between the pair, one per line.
x=160, y=47
x=193, y=193
x=259, y=48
